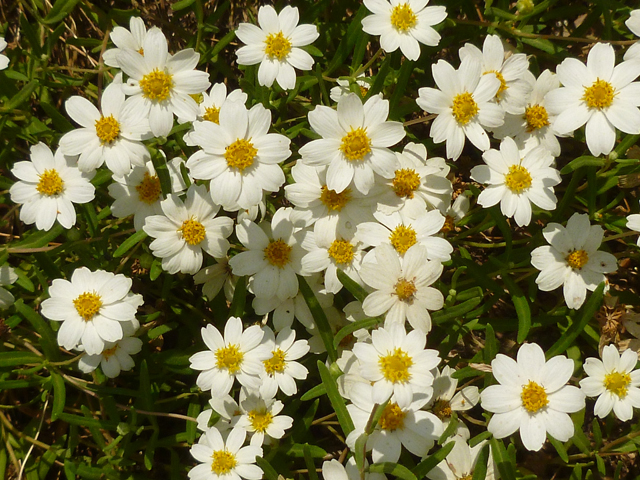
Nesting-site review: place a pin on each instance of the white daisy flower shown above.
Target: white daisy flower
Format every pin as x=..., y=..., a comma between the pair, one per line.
x=216, y=277
x=455, y=213
x=633, y=223
x=272, y=257
x=344, y=87
x=239, y=156
x=92, y=308
x=572, y=259
x=614, y=381
x=396, y=363
x=123, y=39
x=402, y=288
x=419, y=184
x=408, y=426
x=115, y=357
x=275, y=45
x=187, y=228
x=225, y=459
x=48, y=186
x=403, y=24
x=161, y=84
x=354, y=143
x=228, y=410
x=463, y=104
x=261, y=417
x=517, y=179
x=139, y=192
x=7, y=277
x=535, y=126
x=599, y=94
x=238, y=355
x=445, y=400
x=532, y=396
x=514, y=89
x=461, y=462
x=334, y=470
x=113, y=135
x=281, y=370
x=402, y=233
x=4, y=60
x=633, y=24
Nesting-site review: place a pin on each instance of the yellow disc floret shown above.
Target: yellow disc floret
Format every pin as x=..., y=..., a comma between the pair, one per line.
x=260, y=419
x=449, y=224
x=50, y=183
x=240, y=154
x=192, y=231
x=536, y=117
x=392, y=417
x=406, y=182
x=335, y=201
x=156, y=85
x=503, y=84
x=403, y=18
x=518, y=179
x=405, y=289
x=107, y=129
x=442, y=409
x=223, y=462
x=109, y=352
x=395, y=366
x=618, y=383
x=577, y=259
x=277, y=253
x=229, y=358
x=534, y=397
x=464, y=108
x=212, y=114
x=149, y=189
x=277, y=46
x=356, y=144
x=342, y=252
x=88, y=305
x=402, y=238
x=599, y=95
x=276, y=363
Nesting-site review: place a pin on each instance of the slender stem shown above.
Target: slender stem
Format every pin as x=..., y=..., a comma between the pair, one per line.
x=620, y=235
x=366, y=67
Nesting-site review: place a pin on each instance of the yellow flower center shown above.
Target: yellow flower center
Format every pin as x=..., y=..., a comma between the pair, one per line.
x=448, y=225
x=333, y=200
x=240, y=154
x=518, y=179
x=403, y=18
x=536, y=117
x=260, y=419
x=141, y=51
x=88, y=305
x=277, y=46
x=503, y=84
x=229, y=358
x=149, y=189
x=50, y=183
x=405, y=289
x=342, y=252
x=276, y=363
x=599, y=95
x=107, y=129
x=577, y=259
x=363, y=91
x=356, y=144
x=223, y=462
x=156, y=85
x=402, y=238
x=618, y=383
x=109, y=352
x=533, y=397
x=406, y=182
x=395, y=366
x=392, y=417
x=198, y=97
x=212, y=114
x=464, y=107
x=192, y=231
x=277, y=253
x=442, y=409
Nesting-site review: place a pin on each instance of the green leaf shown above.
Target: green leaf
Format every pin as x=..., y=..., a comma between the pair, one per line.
x=269, y=472
x=394, y=469
x=522, y=307
x=129, y=243
x=353, y=287
x=360, y=450
x=503, y=462
x=559, y=446
x=348, y=41
x=59, y=395
x=60, y=9
x=11, y=359
x=597, y=433
x=337, y=402
x=431, y=461
x=456, y=311
x=367, y=323
x=584, y=161
x=21, y=96
x=297, y=450
x=588, y=311
x=308, y=460
x=40, y=238
x=491, y=345
x=181, y=4
x=87, y=421
x=239, y=298
x=319, y=317
x=480, y=469
x=314, y=392
x=48, y=340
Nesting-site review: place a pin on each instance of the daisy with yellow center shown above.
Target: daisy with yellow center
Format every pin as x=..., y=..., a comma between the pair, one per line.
x=187, y=228
x=116, y=357
x=516, y=179
x=615, y=382
x=532, y=396
x=123, y=39
x=275, y=45
x=281, y=370
x=572, y=259
x=261, y=417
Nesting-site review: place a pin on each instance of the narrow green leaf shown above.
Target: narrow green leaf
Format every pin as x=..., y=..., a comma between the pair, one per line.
x=501, y=223
x=40, y=238
x=297, y=450
x=450, y=430
x=505, y=467
x=87, y=422
x=12, y=359
x=559, y=446
x=588, y=311
x=431, y=461
x=522, y=307
x=319, y=317
x=360, y=450
x=239, y=298
x=193, y=410
x=455, y=311
x=224, y=41
x=337, y=402
x=181, y=4
x=22, y=96
x=490, y=345
x=129, y=243
x=480, y=469
x=48, y=340
x=269, y=472
x=353, y=287
x=394, y=469
x=348, y=41
x=367, y=323
x=597, y=433
x=576, y=474
x=584, y=161
x=59, y=395
x=156, y=269
x=308, y=460
x=314, y=392
x=60, y=9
